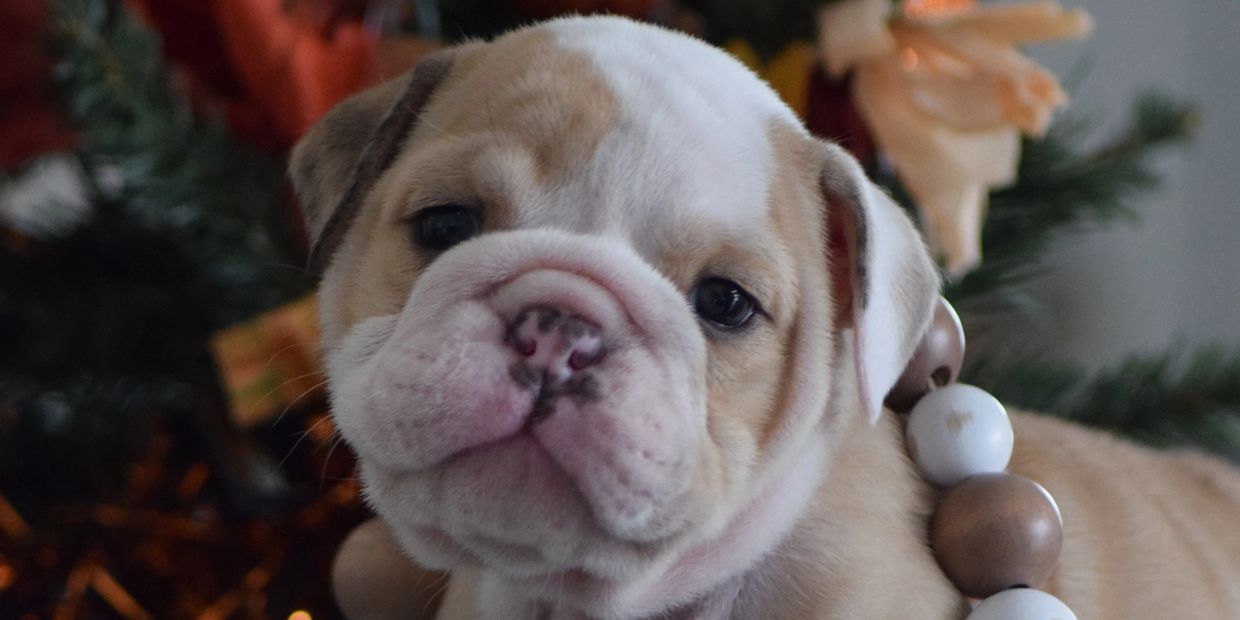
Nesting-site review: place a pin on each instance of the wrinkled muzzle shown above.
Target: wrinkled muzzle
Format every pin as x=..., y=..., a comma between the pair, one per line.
x=539, y=398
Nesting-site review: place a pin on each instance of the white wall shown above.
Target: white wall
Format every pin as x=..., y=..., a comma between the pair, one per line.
x=1175, y=276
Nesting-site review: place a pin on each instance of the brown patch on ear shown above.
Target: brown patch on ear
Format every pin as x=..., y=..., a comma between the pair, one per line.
x=840, y=257
x=337, y=163
x=324, y=160
x=847, y=239
x=884, y=275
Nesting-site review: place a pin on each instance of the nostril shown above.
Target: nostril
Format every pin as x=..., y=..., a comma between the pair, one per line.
x=557, y=342
x=524, y=346
x=521, y=337
x=584, y=358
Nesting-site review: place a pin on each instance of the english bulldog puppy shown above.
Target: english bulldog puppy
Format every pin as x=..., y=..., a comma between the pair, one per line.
x=610, y=333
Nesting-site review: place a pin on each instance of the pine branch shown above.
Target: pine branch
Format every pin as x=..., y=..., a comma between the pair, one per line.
x=1170, y=400
x=1027, y=382
x=74, y=434
x=1173, y=399
x=178, y=175
x=104, y=326
x=1062, y=189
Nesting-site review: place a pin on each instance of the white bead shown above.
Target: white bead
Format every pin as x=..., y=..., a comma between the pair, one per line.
x=1021, y=604
x=959, y=431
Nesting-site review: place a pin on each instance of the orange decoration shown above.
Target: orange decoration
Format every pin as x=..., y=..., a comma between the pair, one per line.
x=947, y=93
x=121, y=601
x=923, y=9
x=274, y=70
x=11, y=523
x=271, y=363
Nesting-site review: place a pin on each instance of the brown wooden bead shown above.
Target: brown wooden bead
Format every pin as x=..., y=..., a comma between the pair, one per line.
x=996, y=531
x=936, y=361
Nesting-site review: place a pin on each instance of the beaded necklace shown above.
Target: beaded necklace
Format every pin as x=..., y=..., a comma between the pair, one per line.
x=996, y=535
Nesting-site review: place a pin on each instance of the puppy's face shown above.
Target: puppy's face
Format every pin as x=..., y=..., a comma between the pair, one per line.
x=578, y=314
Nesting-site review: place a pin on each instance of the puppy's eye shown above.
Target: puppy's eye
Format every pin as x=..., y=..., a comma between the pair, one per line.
x=723, y=303
x=441, y=227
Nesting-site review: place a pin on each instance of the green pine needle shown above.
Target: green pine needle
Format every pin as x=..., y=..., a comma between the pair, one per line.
x=104, y=326
x=1062, y=188
x=192, y=232
x=178, y=175
x=1173, y=399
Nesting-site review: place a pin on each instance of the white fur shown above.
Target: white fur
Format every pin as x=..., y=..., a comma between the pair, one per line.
x=690, y=115
x=417, y=392
x=595, y=511
x=880, y=326
x=707, y=574
x=613, y=489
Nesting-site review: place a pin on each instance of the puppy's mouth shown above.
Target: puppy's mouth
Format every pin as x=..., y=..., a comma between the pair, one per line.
x=492, y=529
x=548, y=392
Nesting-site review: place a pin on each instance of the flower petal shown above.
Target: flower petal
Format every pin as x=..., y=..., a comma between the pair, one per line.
x=1026, y=92
x=948, y=172
x=853, y=30
x=1029, y=22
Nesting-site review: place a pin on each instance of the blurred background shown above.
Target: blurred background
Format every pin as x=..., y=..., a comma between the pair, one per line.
x=165, y=451
x=1173, y=277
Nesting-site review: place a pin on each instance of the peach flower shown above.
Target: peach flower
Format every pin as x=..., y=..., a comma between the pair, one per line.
x=946, y=93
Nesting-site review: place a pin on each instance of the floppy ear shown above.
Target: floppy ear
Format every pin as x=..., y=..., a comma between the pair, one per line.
x=883, y=282
x=337, y=162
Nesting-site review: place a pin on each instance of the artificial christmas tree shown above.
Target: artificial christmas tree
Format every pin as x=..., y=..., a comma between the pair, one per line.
x=155, y=381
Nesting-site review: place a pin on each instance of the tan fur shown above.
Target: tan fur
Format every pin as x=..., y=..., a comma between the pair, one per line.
x=536, y=103
x=325, y=160
x=523, y=120
x=1146, y=535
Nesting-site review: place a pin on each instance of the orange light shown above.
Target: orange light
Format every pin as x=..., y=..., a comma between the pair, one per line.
x=7, y=577
x=300, y=615
x=917, y=9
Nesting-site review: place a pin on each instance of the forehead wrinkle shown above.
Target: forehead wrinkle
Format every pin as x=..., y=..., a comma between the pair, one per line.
x=475, y=170
x=503, y=175
x=687, y=248
x=427, y=167
x=523, y=84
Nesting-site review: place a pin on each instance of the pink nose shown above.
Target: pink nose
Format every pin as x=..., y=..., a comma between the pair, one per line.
x=555, y=342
